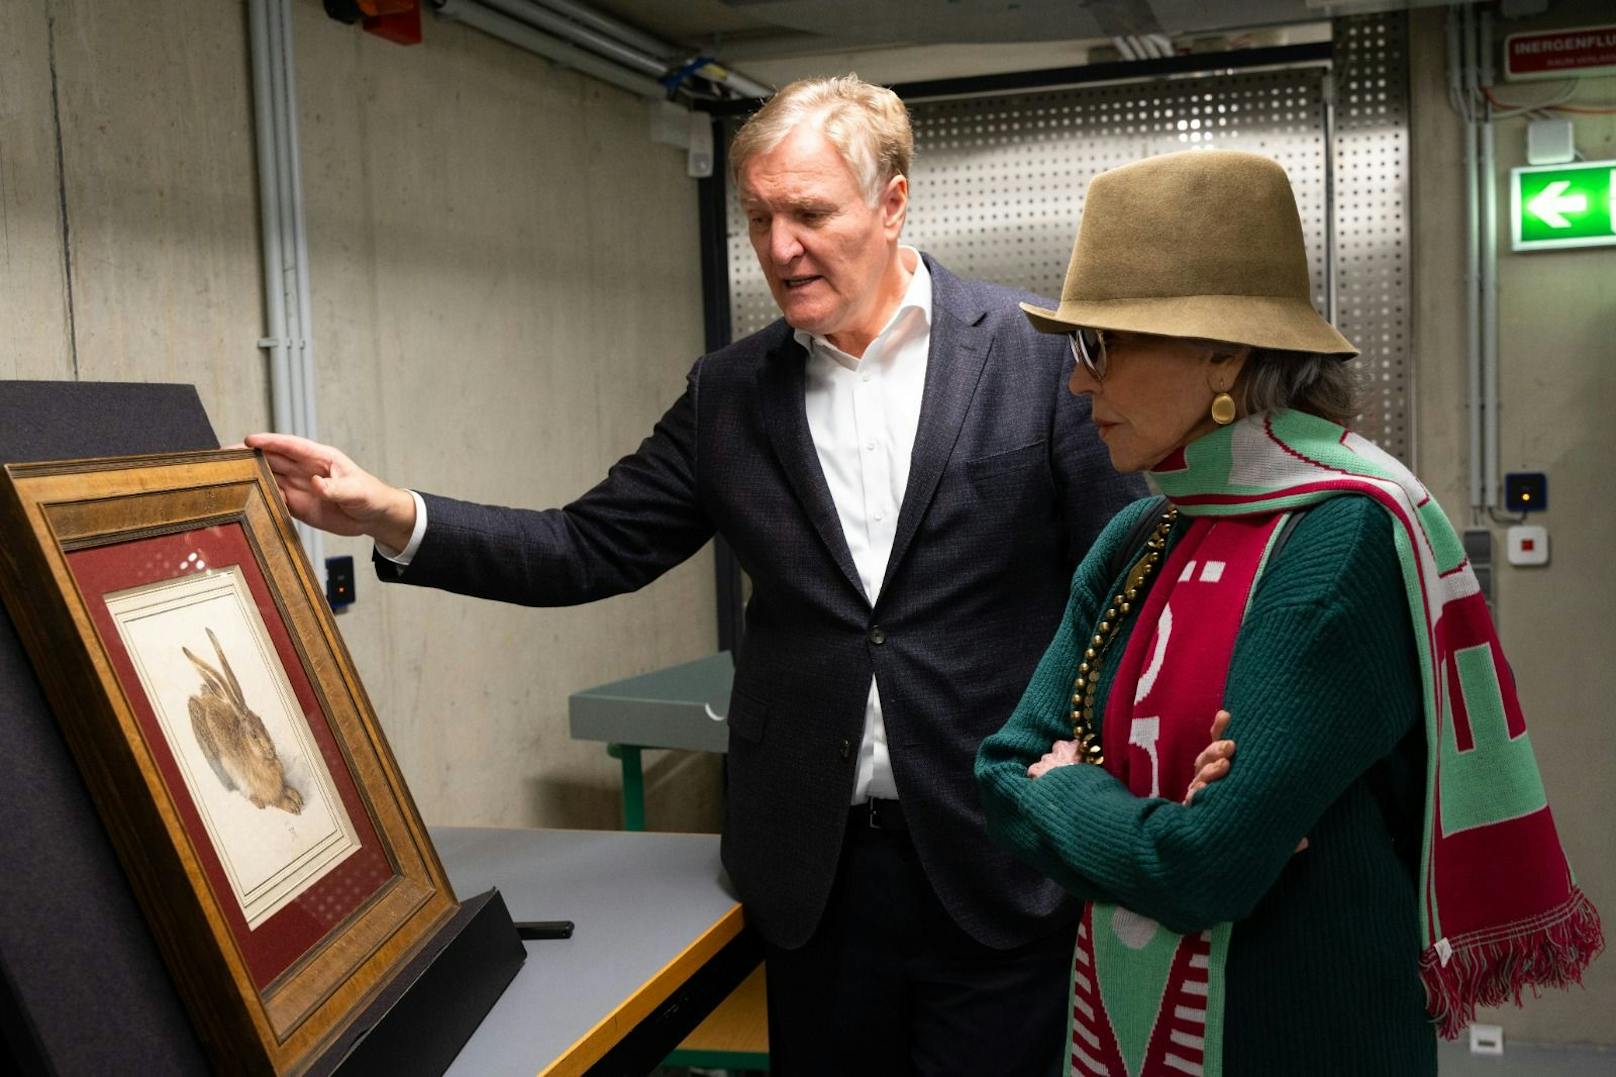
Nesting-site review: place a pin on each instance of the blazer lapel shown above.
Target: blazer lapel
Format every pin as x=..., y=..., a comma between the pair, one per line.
x=782, y=384
x=959, y=351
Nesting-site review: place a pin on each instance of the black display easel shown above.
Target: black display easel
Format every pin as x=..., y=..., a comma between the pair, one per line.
x=83, y=988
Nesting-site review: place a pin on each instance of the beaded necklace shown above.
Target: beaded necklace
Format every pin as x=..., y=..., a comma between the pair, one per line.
x=1090, y=750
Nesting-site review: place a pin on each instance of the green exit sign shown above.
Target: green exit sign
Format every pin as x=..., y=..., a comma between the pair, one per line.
x=1570, y=205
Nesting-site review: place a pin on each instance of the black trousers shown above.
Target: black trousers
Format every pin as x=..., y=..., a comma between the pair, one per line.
x=890, y=985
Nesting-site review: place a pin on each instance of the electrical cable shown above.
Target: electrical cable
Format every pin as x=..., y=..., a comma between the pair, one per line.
x=1555, y=104
x=1499, y=518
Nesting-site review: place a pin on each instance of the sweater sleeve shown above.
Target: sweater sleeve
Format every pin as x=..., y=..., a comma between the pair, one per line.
x=1044, y=716
x=1324, y=681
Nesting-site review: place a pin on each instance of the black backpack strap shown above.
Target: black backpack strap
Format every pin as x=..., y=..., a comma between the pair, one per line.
x=1285, y=530
x=1126, y=550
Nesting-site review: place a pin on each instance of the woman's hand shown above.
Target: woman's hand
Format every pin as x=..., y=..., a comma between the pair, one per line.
x=1063, y=753
x=1214, y=761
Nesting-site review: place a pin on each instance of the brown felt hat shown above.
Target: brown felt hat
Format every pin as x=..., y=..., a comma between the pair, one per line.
x=1204, y=244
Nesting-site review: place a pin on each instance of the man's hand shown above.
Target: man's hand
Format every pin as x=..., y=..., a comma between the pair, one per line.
x=1063, y=753
x=325, y=489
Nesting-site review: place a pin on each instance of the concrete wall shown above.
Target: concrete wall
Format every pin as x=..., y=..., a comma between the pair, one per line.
x=1557, y=360
x=507, y=294
x=506, y=288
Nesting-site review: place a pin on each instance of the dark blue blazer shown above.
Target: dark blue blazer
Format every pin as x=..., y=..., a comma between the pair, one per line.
x=1008, y=486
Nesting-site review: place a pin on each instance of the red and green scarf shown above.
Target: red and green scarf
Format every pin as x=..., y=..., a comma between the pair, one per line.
x=1499, y=910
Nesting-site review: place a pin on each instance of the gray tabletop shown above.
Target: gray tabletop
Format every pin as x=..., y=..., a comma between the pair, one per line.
x=683, y=706
x=639, y=901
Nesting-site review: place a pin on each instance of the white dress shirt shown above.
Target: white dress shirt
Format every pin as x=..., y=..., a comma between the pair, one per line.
x=862, y=415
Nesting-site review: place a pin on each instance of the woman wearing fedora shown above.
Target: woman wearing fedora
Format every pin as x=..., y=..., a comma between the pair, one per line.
x=1302, y=580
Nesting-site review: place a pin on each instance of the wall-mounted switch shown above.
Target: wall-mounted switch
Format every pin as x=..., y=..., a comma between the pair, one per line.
x=1478, y=548
x=1528, y=545
x=339, y=583
x=1526, y=491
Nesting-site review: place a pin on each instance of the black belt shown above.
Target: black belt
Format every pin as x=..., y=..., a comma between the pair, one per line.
x=878, y=815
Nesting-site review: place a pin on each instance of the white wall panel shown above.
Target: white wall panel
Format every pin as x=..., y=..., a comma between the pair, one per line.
x=507, y=295
x=160, y=199
x=33, y=275
x=506, y=290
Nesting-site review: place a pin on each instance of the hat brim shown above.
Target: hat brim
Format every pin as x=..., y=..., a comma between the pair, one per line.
x=1262, y=321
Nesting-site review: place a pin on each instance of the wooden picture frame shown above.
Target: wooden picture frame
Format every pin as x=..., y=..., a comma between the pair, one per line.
x=224, y=735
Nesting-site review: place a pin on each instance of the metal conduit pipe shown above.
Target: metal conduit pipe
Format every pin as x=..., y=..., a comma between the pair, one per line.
x=572, y=35
x=284, y=240
x=651, y=46
x=274, y=340
x=1490, y=477
x=1462, y=55
x=605, y=24
x=542, y=18
x=1473, y=311
x=286, y=182
x=1489, y=319
x=535, y=41
x=298, y=284
x=718, y=72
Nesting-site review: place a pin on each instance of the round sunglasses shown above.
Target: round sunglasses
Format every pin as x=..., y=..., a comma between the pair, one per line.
x=1088, y=348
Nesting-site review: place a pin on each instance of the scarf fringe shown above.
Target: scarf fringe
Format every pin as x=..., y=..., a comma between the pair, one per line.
x=1488, y=969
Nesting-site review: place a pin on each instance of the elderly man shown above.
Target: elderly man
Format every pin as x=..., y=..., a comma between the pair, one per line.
x=899, y=468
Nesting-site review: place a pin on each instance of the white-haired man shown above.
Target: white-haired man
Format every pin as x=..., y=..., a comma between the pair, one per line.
x=898, y=466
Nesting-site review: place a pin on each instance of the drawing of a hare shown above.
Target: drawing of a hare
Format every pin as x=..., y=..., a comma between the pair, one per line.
x=234, y=738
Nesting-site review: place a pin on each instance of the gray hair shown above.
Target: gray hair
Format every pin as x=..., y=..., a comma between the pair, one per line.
x=1320, y=385
x=868, y=125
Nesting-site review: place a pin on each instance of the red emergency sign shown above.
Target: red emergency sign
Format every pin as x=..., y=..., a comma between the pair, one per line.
x=1559, y=54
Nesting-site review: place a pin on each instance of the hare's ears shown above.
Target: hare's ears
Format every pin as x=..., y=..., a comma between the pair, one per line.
x=224, y=683
x=230, y=674
x=210, y=676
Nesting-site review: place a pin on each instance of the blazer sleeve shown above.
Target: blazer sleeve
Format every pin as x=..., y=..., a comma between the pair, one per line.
x=642, y=520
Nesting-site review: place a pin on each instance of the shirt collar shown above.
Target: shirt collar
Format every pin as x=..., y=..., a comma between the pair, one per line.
x=916, y=297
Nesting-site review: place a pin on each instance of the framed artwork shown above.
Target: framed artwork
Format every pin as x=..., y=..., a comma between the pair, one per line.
x=224, y=735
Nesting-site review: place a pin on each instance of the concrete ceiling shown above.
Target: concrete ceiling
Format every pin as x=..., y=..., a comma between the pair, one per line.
x=741, y=30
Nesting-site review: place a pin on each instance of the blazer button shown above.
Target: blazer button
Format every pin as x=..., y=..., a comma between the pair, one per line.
x=847, y=748
x=877, y=635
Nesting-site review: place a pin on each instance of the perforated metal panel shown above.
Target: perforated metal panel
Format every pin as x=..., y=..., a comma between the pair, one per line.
x=1372, y=302
x=997, y=184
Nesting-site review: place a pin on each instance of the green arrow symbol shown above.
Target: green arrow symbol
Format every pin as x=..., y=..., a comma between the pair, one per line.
x=1552, y=203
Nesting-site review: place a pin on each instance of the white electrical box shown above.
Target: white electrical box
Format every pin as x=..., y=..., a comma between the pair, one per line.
x=1528, y=545
x=1486, y=1039
x=1549, y=142
x=670, y=123
x=699, y=158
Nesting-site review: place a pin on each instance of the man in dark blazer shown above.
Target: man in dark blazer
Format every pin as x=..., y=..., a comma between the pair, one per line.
x=900, y=470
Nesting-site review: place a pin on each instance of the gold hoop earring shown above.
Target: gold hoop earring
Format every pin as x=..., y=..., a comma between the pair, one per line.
x=1223, y=409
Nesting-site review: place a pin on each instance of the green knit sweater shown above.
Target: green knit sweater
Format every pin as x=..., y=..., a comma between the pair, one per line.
x=1324, y=689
